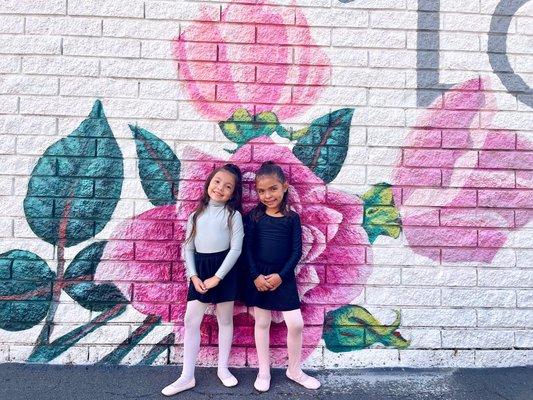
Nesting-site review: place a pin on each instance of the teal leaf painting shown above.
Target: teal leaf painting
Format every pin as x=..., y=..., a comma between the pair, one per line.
x=159, y=168
x=353, y=328
x=324, y=145
x=76, y=184
x=26, y=284
x=79, y=282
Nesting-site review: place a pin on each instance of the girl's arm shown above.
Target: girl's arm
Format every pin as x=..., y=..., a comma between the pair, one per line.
x=188, y=250
x=248, y=242
x=296, y=253
x=237, y=234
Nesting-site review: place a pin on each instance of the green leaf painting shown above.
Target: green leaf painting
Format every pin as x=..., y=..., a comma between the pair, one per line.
x=381, y=216
x=26, y=284
x=159, y=168
x=242, y=127
x=353, y=328
x=76, y=184
x=324, y=145
x=79, y=281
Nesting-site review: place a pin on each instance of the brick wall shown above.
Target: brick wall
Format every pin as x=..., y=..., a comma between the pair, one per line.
x=405, y=128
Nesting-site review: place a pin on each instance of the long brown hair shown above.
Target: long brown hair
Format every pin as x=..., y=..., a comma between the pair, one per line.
x=269, y=168
x=233, y=204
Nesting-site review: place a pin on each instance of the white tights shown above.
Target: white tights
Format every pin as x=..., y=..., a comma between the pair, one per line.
x=194, y=315
x=294, y=321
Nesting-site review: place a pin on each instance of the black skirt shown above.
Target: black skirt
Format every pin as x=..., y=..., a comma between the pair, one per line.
x=284, y=298
x=206, y=266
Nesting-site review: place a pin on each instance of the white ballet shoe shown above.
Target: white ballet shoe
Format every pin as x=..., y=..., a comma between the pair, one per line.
x=305, y=380
x=178, y=386
x=262, y=384
x=229, y=381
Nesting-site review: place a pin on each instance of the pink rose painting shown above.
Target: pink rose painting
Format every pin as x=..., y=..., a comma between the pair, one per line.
x=269, y=63
x=461, y=185
x=143, y=257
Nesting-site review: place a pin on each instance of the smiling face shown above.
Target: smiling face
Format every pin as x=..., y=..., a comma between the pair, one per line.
x=270, y=191
x=221, y=186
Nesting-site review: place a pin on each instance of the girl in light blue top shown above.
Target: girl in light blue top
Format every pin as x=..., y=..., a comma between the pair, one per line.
x=213, y=245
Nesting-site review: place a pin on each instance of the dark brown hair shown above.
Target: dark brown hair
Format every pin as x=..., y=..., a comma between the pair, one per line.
x=269, y=168
x=233, y=204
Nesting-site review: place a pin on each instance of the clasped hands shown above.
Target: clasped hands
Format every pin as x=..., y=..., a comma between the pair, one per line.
x=269, y=282
x=203, y=286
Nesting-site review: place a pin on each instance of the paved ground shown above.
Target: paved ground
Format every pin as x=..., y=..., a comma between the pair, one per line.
x=43, y=382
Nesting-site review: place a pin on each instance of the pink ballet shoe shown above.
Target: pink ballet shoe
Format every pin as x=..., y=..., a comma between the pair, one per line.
x=178, y=386
x=305, y=380
x=230, y=381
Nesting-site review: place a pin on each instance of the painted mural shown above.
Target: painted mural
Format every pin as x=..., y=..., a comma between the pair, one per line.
x=458, y=189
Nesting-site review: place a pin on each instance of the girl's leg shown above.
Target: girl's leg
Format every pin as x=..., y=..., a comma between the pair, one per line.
x=191, y=345
x=295, y=324
x=262, y=344
x=225, y=339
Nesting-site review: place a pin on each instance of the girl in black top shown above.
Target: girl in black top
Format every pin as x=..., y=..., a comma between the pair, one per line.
x=273, y=245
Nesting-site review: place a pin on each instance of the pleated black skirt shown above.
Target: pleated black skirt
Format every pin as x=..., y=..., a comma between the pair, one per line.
x=284, y=298
x=206, y=266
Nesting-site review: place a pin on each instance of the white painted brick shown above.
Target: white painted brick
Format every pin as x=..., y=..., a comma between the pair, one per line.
x=383, y=156
x=502, y=318
x=8, y=104
x=72, y=313
x=524, y=339
x=466, y=339
x=336, y=18
x=101, y=47
x=9, y=64
x=467, y=22
x=461, y=41
x=499, y=358
x=98, y=87
x=374, y=4
x=348, y=57
x=117, y=8
x=180, y=11
x=464, y=6
x=141, y=29
x=60, y=66
x=18, y=44
x=437, y=358
x=11, y=24
x=157, y=49
x=384, y=276
x=73, y=355
x=478, y=298
x=151, y=69
x=55, y=105
x=439, y=277
x=350, y=97
x=399, y=256
x=422, y=338
x=63, y=26
x=181, y=130
x=507, y=278
x=19, y=353
x=447, y=317
x=402, y=296
x=393, y=19
x=141, y=108
x=28, y=84
x=33, y=7
x=524, y=298
x=7, y=144
x=6, y=227
x=392, y=58
x=24, y=125
x=34, y=145
x=351, y=174
x=6, y=185
x=21, y=229
x=161, y=90
x=386, y=117
x=374, y=38
x=111, y=333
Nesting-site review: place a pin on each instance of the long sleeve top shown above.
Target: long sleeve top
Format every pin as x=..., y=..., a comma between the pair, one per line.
x=274, y=241
x=213, y=235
